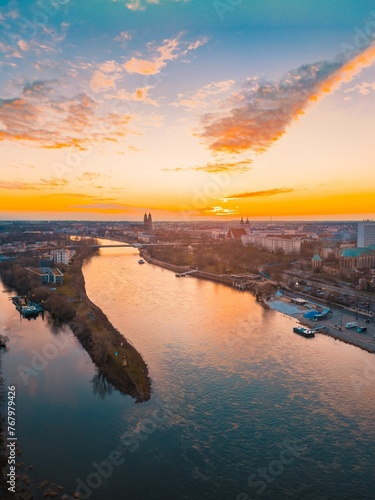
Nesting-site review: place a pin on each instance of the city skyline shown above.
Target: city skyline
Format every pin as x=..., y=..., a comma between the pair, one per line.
x=190, y=110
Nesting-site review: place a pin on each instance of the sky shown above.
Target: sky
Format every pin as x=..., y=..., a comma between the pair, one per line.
x=190, y=109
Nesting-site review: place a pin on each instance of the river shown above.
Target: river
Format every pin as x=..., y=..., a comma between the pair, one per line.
x=241, y=408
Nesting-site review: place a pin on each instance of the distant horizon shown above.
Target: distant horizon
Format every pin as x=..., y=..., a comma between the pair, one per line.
x=201, y=221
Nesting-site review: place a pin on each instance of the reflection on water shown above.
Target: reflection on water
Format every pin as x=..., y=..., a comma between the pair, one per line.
x=101, y=385
x=233, y=388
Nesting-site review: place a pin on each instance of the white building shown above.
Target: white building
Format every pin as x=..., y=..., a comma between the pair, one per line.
x=272, y=243
x=62, y=255
x=366, y=233
x=144, y=238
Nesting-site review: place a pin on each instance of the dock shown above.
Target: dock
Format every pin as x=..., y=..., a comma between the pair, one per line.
x=182, y=275
x=318, y=328
x=27, y=308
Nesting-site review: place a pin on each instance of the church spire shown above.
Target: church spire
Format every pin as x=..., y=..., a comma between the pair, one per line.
x=147, y=222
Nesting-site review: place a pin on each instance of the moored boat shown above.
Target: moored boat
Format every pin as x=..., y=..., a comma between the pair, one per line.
x=29, y=312
x=303, y=331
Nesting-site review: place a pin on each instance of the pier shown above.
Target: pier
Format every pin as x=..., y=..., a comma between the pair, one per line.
x=318, y=328
x=26, y=308
x=180, y=275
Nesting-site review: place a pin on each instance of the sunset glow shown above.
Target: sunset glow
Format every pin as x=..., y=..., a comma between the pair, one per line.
x=193, y=110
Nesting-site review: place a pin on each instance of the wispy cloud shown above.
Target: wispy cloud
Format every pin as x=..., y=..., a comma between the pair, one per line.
x=234, y=166
x=123, y=36
x=18, y=43
x=43, y=116
x=90, y=176
x=101, y=81
x=139, y=95
x=37, y=185
x=199, y=99
x=264, y=109
x=23, y=45
x=217, y=167
x=363, y=88
x=257, y=194
x=17, y=186
x=169, y=50
x=135, y=5
x=54, y=182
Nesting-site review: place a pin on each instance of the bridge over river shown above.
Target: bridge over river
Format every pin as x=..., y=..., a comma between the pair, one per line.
x=129, y=245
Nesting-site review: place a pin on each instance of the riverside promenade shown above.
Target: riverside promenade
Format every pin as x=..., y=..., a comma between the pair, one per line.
x=334, y=322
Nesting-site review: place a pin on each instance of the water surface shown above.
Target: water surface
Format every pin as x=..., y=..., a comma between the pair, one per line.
x=233, y=387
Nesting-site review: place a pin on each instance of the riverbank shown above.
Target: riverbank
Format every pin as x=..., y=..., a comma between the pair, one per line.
x=114, y=356
x=333, y=323
x=252, y=286
x=361, y=340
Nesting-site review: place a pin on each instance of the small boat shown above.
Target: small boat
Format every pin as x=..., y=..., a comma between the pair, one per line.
x=179, y=275
x=351, y=324
x=141, y=261
x=29, y=312
x=362, y=329
x=303, y=331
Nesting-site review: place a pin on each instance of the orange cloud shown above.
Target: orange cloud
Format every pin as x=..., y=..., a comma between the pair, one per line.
x=139, y=95
x=199, y=99
x=347, y=71
x=263, y=110
x=170, y=50
x=109, y=67
x=100, y=81
x=144, y=67
x=215, y=168
x=41, y=116
x=256, y=194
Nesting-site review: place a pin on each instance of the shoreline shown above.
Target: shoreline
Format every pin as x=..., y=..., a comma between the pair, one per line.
x=131, y=379
x=217, y=278
x=364, y=341
x=126, y=370
x=112, y=354
x=342, y=335
x=330, y=330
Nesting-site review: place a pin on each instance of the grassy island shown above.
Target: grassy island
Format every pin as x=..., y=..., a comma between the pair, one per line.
x=114, y=356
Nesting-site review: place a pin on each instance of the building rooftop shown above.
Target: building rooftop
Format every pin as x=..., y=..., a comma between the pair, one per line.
x=356, y=252
x=238, y=232
x=317, y=258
